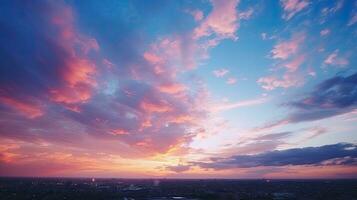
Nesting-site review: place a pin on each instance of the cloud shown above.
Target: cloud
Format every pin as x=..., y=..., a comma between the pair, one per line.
x=332, y=97
x=285, y=49
x=57, y=83
x=311, y=72
x=329, y=11
x=220, y=72
x=233, y=105
x=231, y=81
x=292, y=7
x=295, y=63
x=28, y=109
x=259, y=143
x=178, y=168
x=196, y=14
x=314, y=132
x=274, y=136
x=289, y=157
x=263, y=36
x=353, y=19
x=288, y=52
x=78, y=70
x=172, y=88
x=222, y=21
x=325, y=32
x=334, y=59
x=61, y=69
x=273, y=82
x=246, y=14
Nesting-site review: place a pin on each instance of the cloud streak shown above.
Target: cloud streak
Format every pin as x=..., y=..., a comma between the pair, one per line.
x=292, y=7
x=335, y=154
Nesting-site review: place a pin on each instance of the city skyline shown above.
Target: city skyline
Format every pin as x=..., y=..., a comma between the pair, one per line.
x=178, y=89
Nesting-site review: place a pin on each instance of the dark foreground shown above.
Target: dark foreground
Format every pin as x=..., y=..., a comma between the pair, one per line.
x=117, y=189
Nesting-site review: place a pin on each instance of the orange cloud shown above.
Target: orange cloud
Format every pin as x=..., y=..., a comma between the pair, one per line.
x=153, y=107
x=78, y=70
x=171, y=88
x=182, y=119
x=78, y=82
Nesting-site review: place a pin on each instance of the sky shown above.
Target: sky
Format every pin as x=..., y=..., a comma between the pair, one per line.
x=178, y=89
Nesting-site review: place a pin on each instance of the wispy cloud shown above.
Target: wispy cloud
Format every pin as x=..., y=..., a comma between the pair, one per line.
x=233, y=105
x=285, y=49
x=325, y=32
x=292, y=7
x=273, y=82
x=220, y=72
x=353, y=19
x=231, y=81
x=335, y=59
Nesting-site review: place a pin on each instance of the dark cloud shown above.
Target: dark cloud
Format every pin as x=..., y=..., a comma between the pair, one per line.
x=338, y=154
x=332, y=97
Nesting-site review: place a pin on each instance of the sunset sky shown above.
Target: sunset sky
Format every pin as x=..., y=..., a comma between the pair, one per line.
x=178, y=89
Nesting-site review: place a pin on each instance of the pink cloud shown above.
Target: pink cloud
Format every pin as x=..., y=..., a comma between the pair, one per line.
x=271, y=126
x=231, y=81
x=28, y=109
x=162, y=110
x=179, y=119
x=334, y=59
x=285, y=49
x=172, y=54
x=197, y=15
x=119, y=131
x=107, y=63
x=152, y=58
x=155, y=107
x=78, y=70
x=78, y=82
x=311, y=72
x=295, y=63
x=220, y=72
x=222, y=21
x=273, y=82
x=171, y=88
x=292, y=7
